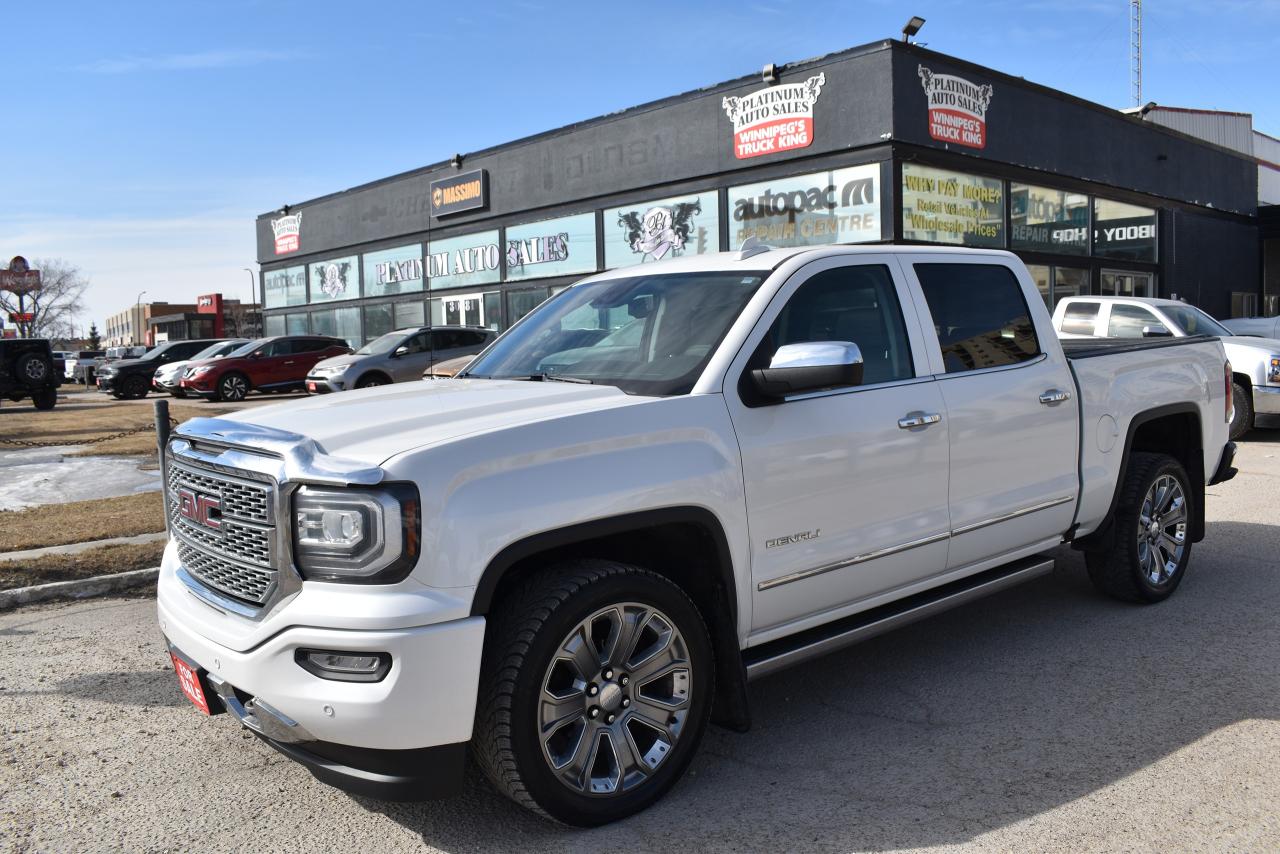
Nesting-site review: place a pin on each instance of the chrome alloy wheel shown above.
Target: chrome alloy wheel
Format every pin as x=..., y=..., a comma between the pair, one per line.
x=614, y=699
x=1162, y=529
x=235, y=388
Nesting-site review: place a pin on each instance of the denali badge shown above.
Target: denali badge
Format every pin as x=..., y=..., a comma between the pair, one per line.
x=793, y=538
x=204, y=510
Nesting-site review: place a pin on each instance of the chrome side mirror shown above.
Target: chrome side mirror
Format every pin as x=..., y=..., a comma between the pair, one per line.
x=811, y=366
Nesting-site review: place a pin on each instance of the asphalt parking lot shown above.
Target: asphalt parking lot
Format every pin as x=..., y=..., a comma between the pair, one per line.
x=1046, y=718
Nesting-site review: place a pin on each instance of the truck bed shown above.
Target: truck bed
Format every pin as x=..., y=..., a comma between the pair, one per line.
x=1087, y=348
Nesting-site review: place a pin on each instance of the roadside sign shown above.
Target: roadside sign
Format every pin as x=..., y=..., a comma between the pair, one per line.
x=19, y=278
x=22, y=316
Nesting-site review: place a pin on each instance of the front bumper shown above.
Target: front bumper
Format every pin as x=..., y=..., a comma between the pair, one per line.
x=1266, y=406
x=107, y=383
x=326, y=384
x=398, y=739
x=202, y=387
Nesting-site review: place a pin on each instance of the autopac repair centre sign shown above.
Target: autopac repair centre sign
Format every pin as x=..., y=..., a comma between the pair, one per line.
x=957, y=108
x=775, y=119
x=467, y=191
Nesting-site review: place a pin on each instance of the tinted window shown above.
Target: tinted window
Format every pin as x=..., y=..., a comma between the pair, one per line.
x=980, y=315
x=1128, y=321
x=856, y=304
x=1080, y=318
x=418, y=343
x=310, y=345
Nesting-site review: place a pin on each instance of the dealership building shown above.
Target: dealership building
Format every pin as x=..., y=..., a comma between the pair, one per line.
x=888, y=142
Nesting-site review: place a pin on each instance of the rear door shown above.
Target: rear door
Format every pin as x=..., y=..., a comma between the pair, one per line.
x=1014, y=428
x=846, y=495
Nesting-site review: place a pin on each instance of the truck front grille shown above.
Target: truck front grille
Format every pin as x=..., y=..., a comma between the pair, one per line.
x=225, y=528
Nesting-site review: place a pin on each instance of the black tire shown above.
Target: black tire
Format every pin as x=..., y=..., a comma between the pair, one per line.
x=45, y=399
x=527, y=629
x=233, y=387
x=1122, y=571
x=33, y=369
x=372, y=380
x=135, y=388
x=1242, y=418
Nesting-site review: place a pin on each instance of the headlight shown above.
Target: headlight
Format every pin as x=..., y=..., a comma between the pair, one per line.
x=328, y=371
x=203, y=369
x=1273, y=370
x=359, y=536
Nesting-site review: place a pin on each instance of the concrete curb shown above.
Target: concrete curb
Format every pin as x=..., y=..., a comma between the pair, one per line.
x=76, y=548
x=80, y=588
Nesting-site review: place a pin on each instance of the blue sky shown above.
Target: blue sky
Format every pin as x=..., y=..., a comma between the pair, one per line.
x=144, y=137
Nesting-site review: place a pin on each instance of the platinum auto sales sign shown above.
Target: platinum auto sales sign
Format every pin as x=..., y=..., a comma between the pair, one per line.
x=286, y=230
x=957, y=108
x=779, y=118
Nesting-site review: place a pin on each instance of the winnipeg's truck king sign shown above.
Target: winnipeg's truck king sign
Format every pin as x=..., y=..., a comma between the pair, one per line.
x=957, y=108
x=779, y=118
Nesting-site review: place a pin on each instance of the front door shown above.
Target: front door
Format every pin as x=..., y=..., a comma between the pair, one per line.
x=416, y=359
x=464, y=310
x=1125, y=283
x=1014, y=423
x=846, y=499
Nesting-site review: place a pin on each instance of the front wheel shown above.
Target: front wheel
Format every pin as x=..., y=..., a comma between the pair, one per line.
x=44, y=399
x=233, y=387
x=1242, y=414
x=1149, y=557
x=595, y=691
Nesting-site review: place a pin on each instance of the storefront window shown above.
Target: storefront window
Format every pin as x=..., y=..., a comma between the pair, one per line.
x=296, y=324
x=474, y=309
x=463, y=262
x=347, y=324
x=1046, y=220
x=662, y=229
x=1124, y=231
x=951, y=207
x=274, y=325
x=840, y=206
x=378, y=320
x=1042, y=275
x=335, y=279
x=520, y=303
x=553, y=247
x=324, y=323
x=285, y=287
x=1069, y=282
x=409, y=314
x=393, y=271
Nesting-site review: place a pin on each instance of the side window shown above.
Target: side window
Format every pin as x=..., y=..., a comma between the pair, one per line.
x=1080, y=318
x=472, y=338
x=418, y=343
x=856, y=304
x=980, y=315
x=311, y=345
x=1128, y=321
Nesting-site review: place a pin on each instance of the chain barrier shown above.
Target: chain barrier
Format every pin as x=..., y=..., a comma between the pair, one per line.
x=24, y=443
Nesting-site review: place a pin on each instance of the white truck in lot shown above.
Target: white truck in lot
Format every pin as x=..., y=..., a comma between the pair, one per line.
x=573, y=556
x=1255, y=361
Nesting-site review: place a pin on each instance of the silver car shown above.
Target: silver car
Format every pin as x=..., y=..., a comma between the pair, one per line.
x=397, y=357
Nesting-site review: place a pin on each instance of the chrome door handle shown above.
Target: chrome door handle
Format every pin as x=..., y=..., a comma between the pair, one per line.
x=918, y=419
x=1053, y=395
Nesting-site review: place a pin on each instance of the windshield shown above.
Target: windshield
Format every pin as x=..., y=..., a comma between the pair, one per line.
x=649, y=335
x=1193, y=321
x=381, y=344
x=213, y=350
x=245, y=349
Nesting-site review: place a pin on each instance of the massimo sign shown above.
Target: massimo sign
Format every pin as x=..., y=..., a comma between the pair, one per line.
x=776, y=119
x=467, y=191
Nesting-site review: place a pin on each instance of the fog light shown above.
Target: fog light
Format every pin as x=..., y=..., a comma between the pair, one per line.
x=344, y=666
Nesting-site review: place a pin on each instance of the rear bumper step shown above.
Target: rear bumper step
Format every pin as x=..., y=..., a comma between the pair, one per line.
x=821, y=640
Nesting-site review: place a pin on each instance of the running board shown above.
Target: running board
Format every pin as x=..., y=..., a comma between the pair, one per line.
x=838, y=634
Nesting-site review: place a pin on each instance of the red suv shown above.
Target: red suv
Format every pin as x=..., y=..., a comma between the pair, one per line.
x=267, y=364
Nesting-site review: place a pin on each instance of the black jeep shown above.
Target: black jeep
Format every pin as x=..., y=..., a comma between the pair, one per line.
x=27, y=370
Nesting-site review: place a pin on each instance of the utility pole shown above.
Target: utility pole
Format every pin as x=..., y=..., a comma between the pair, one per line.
x=1135, y=53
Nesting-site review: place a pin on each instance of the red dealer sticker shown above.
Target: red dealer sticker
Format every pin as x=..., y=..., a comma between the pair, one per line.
x=773, y=120
x=957, y=108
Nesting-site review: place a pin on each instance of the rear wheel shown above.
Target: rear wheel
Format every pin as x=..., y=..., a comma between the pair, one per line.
x=45, y=398
x=1149, y=557
x=233, y=387
x=594, y=693
x=1242, y=417
x=33, y=369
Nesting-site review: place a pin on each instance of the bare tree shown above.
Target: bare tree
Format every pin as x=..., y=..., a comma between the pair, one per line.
x=55, y=304
x=241, y=321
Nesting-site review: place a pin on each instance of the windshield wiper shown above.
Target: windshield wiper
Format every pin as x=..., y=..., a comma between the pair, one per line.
x=544, y=377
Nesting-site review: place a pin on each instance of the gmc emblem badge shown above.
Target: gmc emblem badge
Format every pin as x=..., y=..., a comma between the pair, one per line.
x=204, y=510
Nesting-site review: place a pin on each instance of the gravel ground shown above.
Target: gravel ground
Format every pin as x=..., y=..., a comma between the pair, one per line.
x=1045, y=718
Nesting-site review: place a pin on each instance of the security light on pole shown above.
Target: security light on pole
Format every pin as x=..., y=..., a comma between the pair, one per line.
x=913, y=26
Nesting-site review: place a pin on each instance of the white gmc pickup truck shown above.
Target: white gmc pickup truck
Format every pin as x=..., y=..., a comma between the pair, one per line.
x=665, y=481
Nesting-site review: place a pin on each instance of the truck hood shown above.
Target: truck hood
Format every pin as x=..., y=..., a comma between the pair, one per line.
x=1264, y=346
x=373, y=425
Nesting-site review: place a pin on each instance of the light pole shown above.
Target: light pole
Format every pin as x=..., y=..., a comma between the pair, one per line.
x=137, y=318
x=253, y=293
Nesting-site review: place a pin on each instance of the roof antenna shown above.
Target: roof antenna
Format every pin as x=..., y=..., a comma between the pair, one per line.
x=751, y=247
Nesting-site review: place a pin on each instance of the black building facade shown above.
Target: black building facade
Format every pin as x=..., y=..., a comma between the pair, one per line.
x=887, y=142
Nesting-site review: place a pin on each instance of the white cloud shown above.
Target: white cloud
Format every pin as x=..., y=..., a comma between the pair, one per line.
x=186, y=61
